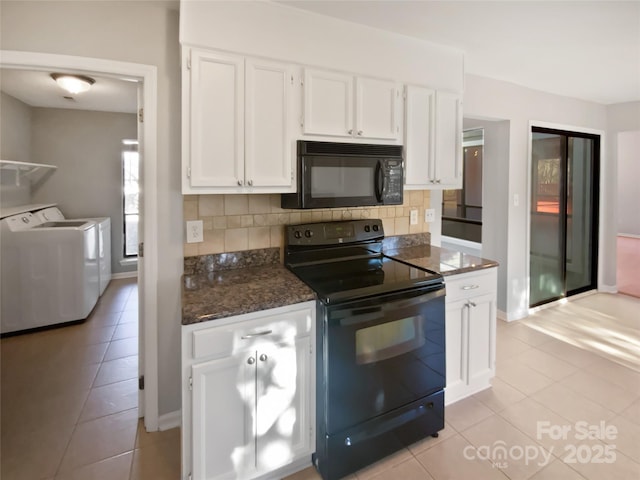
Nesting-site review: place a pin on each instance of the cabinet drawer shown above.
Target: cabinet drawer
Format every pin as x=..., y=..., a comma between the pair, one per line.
x=218, y=342
x=470, y=284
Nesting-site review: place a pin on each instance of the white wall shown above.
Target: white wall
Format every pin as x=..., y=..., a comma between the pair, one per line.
x=498, y=100
x=86, y=147
x=628, y=175
x=495, y=193
x=623, y=122
x=15, y=129
x=137, y=32
x=15, y=145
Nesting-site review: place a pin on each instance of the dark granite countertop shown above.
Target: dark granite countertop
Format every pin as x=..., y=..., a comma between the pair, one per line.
x=228, y=284
x=439, y=259
x=220, y=294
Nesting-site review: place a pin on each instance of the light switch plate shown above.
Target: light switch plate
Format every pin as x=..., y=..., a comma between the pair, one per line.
x=194, y=231
x=413, y=217
x=429, y=215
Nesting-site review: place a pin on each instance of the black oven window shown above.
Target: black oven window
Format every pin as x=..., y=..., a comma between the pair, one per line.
x=388, y=340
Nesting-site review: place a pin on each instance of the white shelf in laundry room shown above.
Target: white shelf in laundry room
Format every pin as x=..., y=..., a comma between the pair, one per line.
x=24, y=168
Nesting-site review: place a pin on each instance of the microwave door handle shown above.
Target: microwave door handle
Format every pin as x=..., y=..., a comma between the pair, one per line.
x=379, y=181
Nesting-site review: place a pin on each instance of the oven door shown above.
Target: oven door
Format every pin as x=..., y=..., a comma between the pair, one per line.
x=382, y=353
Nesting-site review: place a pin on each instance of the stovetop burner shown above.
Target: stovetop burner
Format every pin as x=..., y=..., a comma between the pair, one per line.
x=343, y=261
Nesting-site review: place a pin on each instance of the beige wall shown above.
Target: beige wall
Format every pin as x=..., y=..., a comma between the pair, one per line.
x=15, y=129
x=243, y=222
x=87, y=149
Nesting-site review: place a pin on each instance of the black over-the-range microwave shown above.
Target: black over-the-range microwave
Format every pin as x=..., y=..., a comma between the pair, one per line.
x=332, y=174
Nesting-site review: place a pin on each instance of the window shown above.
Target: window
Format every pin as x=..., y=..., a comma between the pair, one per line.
x=131, y=197
x=462, y=209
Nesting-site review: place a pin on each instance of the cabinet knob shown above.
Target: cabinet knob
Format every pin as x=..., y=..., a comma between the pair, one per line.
x=250, y=182
x=240, y=182
x=470, y=303
x=350, y=132
x=360, y=132
x=251, y=361
x=438, y=181
x=263, y=357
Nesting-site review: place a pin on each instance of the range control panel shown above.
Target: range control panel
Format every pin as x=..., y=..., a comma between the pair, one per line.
x=334, y=233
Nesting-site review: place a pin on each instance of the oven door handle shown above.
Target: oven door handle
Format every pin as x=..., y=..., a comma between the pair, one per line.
x=351, y=314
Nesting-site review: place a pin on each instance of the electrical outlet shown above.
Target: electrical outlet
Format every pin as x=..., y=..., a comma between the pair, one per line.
x=194, y=231
x=429, y=215
x=413, y=217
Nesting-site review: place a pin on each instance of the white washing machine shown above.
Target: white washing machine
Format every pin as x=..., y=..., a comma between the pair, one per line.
x=53, y=214
x=49, y=271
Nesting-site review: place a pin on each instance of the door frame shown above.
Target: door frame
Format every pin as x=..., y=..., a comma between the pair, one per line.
x=147, y=272
x=601, y=201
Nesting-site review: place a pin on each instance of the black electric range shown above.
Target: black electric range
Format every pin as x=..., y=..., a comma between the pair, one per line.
x=380, y=344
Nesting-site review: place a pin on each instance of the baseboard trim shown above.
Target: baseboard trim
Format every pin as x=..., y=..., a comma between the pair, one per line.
x=608, y=288
x=629, y=235
x=170, y=420
x=116, y=276
x=502, y=316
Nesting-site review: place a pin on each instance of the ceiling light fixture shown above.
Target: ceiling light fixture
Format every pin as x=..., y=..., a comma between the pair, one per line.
x=73, y=83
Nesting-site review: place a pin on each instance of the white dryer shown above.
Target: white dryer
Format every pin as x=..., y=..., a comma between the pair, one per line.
x=49, y=271
x=53, y=214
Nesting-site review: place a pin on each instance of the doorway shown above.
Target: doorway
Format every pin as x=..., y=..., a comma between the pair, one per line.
x=563, y=254
x=146, y=76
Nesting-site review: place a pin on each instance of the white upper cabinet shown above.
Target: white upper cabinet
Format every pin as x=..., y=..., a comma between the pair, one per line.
x=268, y=117
x=433, y=139
x=216, y=136
x=418, y=131
x=377, y=109
x=342, y=105
x=328, y=103
x=237, y=115
x=448, y=149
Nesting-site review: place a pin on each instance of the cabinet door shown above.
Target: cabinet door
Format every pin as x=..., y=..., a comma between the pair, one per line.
x=457, y=346
x=216, y=119
x=448, y=140
x=223, y=406
x=376, y=109
x=268, y=144
x=482, y=319
x=284, y=419
x=328, y=103
x=419, y=128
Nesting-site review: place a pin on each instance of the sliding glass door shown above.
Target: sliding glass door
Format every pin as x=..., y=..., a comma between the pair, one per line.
x=564, y=214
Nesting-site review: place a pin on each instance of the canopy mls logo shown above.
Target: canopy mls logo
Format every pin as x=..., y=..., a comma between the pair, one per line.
x=499, y=454
x=585, y=444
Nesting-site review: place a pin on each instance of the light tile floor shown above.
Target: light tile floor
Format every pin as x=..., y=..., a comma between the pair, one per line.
x=69, y=409
x=70, y=398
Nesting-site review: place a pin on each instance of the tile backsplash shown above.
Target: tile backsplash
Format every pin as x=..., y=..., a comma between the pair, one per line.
x=244, y=222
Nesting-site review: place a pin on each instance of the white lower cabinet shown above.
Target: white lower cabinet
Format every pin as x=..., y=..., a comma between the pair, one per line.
x=248, y=396
x=470, y=333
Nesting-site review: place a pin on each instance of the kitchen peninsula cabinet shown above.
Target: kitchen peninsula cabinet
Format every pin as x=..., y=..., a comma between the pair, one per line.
x=343, y=105
x=237, y=114
x=248, y=397
x=470, y=332
x=433, y=139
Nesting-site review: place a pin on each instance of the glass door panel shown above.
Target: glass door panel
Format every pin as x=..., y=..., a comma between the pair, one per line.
x=546, y=260
x=580, y=205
